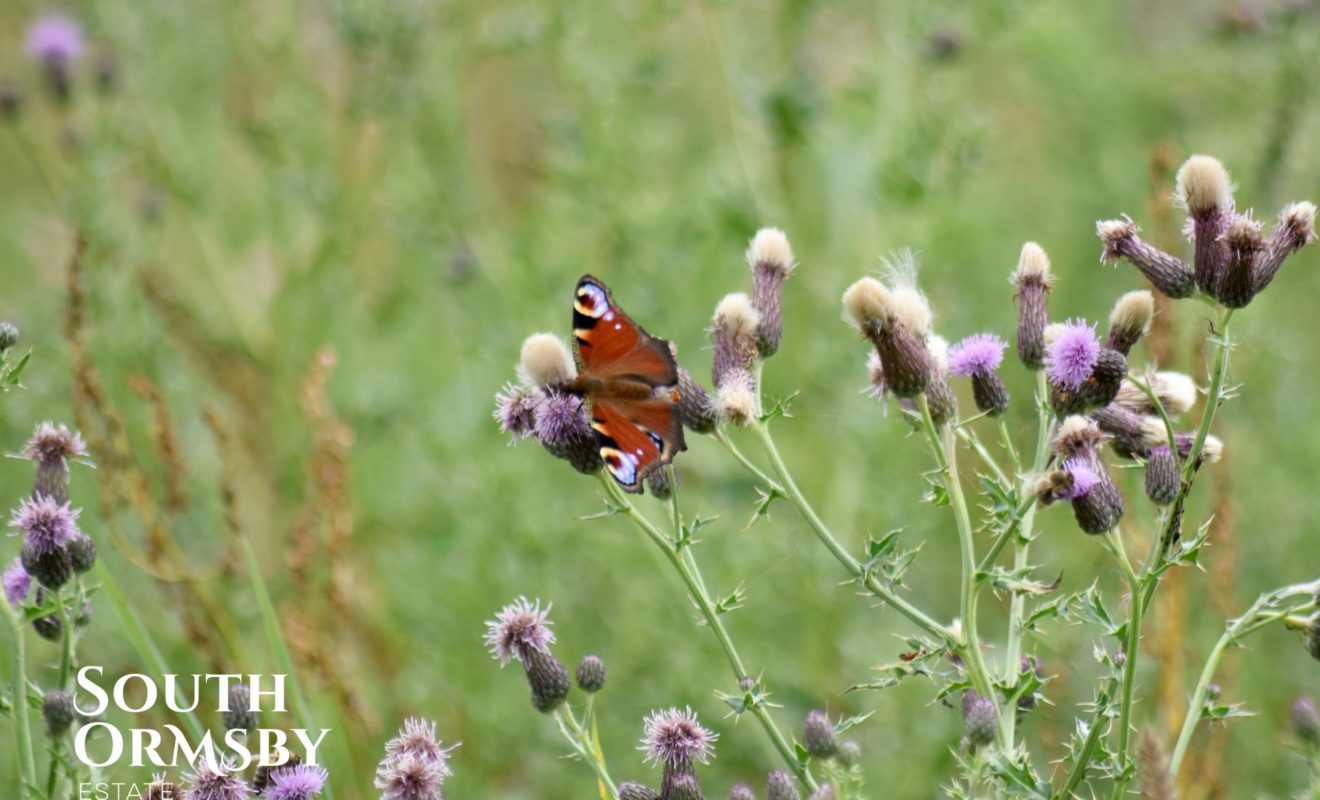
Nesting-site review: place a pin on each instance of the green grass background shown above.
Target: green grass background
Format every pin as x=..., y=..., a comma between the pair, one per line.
x=419, y=184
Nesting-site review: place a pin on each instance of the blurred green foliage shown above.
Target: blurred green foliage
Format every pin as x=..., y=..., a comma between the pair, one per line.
x=419, y=184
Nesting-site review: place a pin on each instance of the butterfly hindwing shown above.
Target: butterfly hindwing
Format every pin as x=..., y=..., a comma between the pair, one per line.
x=635, y=437
x=608, y=344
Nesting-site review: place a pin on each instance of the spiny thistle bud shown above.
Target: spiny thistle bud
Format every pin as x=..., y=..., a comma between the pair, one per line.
x=591, y=674
x=51, y=568
x=980, y=719
x=781, y=786
x=162, y=789
x=741, y=791
x=818, y=736
x=58, y=710
x=8, y=335
x=1305, y=720
x=82, y=553
x=978, y=357
x=1071, y=354
x=734, y=333
x=683, y=786
x=771, y=260
x=1153, y=768
x=1163, y=480
x=545, y=361
x=1204, y=190
x=1097, y=503
x=17, y=583
x=1030, y=665
x=696, y=407
x=850, y=754
x=548, y=679
x=636, y=791
x=1032, y=281
x=897, y=321
x=1296, y=230
x=1132, y=434
x=1130, y=320
x=1245, y=243
x=736, y=401
x=563, y=430
x=1169, y=274
x=241, y=716
x=49, y=628
x=1175, y=391
x=825, y=792
x=1106, y=378
x=221, y=783
x=657, y=483
x=515, y=410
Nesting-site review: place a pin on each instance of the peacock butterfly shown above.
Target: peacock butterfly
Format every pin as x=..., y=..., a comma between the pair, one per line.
x=627, y=378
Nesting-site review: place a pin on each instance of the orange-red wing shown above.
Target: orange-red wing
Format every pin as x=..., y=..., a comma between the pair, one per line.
x=635, y=437
x=608, y=344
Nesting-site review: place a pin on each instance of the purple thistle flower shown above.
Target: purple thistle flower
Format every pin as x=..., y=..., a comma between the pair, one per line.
x=519, y=629
x=47, y=525
x=409, y=778
x=215, y=784
x=674, y=738
x=17, y=583
x=54, y=444
x=55, y=40
x=1072, y=355
x=302, y=782
x=561, y=417
x=977, y=355
x=1083, y=477
x=417, y=739
x=515, y=410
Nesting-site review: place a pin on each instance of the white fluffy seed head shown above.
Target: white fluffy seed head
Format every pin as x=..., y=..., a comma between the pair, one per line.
x=736, y=316
x=938, y=347
x=1299, y=218
x=1245, y=233
x=736, y=404
x=1213, y=449
x=1113, y=230
x=1033, y=265
x=770, y=248
x=1176, y=391
x=1052, y=332
x=867, y=301
x=1203, y=185
x=907, y=305
x=1074, y=426
x=1153, y=432
x=1134, y=312
x=545, y=361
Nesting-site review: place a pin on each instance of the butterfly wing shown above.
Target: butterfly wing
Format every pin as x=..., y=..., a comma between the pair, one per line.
x=607, y=344
x=636, y=437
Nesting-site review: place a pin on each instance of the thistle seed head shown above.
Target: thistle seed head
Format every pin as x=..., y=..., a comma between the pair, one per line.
x=545, y=361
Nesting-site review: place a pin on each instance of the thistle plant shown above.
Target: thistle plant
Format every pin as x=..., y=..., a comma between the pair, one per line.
x=1100, y=415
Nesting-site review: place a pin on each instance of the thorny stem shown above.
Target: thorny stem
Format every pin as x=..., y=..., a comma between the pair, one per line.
x=947, y=463
x=581, y=741
x=66, y=667
x=1257, y=616
x=686, y=567
x=27, y=766
x=1083, y=758
x=970, y=439
x=1131, y=651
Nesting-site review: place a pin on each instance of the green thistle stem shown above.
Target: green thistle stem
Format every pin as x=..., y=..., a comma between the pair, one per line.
x=581, y=741
x=27, y=766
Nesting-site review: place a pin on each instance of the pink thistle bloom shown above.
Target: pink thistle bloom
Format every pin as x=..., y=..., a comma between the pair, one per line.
x=519, y=629
x=675, y=738
x=55, y=40
x=979, y=354
x=1073, y=354
x=1084, y=478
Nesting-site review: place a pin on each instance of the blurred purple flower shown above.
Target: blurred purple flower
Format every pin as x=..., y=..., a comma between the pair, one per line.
x=215, y=784
x=977, y=354
x=1083, y=477
x=515, y=410
x=55, y=40
x=519, y=628
x=17, y=583
x=54, y=444
x=47, y=525
x=417, y=738
x=409, y=778
x=302, y=782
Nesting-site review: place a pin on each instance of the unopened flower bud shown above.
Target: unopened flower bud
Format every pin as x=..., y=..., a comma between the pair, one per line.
x=11, y=103
x=696, y=407
x=636, y=791
x=240, y=716
x=781, y=786
x=8, y=335
x=980, y=720
x=548, y=679
x=734, y=334
x=1296, y=230
x=1032, y=281
x=1206, y=193
x=1305, y=720
x=1032, y=665
x=741, y=791
x=850, y=754
x=683, y=786
x=591, y=674
x=1106, y=378
x=1163, y=480
x=1245, y=243
x=51, y=568
x=1130, y=320
x=818, y=736
x=82, y=553
x=771, y=260
x=58, y=710
x=49, y=628
x=1169, y=274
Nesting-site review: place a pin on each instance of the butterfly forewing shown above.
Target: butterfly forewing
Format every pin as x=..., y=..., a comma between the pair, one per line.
x=608, y=344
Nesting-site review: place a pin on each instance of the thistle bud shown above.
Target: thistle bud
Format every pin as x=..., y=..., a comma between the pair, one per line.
x=240, y=716
x=548, y=679
x=781, y=786
x=1169, y=274
x=940, y=398
x=683, y=787
x=545, y=361
x=980, y=719
x=696, y=407
x=1030, y=665
x=1096, y=500
x=51, y=448
x=1305, y=721
x=1106, y=378
x=49, y=628
x=8, y=335
x=1131, y=434
x=591, y=674
x=1130, y=320
x=82, y=553
x=771, y=260
x=11, y=104
x=741, y=791
x=850, y=754
x=1296, y=230
x=1071, y=354
x=978, y=357
x=1204, y=190
x=1175, y=391
x=734, y=334
x=658, y=484
x=897, y=321
x=51, y=568
x=563, y=430
x=736, y=401
x=818, y=736
x=1163, y=480
x=162, y=789
x=58, y=710
x=636, y=791
x=1032, y=281
x=1245, y=243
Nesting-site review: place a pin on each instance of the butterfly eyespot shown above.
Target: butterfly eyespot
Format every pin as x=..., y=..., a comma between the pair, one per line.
x=592, y=301
x=623, y=466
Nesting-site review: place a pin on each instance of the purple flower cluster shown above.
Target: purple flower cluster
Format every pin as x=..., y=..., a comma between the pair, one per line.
x=416, y=764
x=17, y=583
